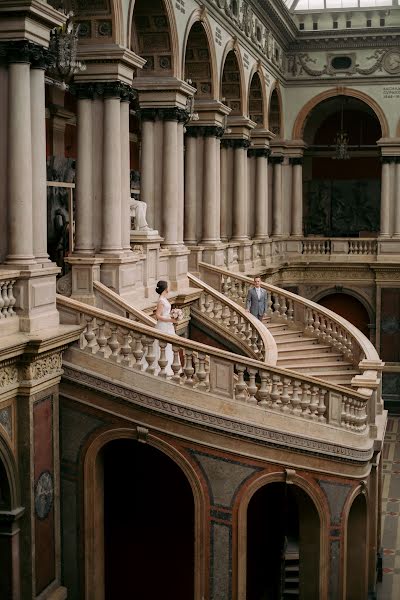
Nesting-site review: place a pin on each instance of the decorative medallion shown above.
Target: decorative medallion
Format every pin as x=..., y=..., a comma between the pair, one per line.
x=391, y=62
x=44, y=495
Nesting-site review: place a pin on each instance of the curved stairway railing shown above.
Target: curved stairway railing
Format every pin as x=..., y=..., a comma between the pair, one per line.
x=231, y=321
x=219, y=373
x=108, y=297
x=314, y=320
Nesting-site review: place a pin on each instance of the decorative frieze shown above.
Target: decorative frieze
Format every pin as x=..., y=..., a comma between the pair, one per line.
x=46, y=366
x=8, y=376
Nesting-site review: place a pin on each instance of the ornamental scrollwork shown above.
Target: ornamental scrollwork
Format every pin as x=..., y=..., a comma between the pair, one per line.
x=43, y=367
x=8, y=376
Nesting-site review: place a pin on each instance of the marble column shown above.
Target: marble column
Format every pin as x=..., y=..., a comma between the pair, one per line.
x=39, y=174
x=261, y=192
x=20, y=213
x=172, y=175
x=147, y=163
x=297, y=196
x=225, y=188
x=396, y=232
x=211, y=188
x=240, y=190
x=277, y=196
x=190, y=234
x=111, y=230
x=84, y=240
x=181, y=177
x=385, y=197
x=125, y=176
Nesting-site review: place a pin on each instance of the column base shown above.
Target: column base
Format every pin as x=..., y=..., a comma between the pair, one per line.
x=215, y=255
x=176, y=266
x=148, y=245
x=124, y=275
x=245, y=255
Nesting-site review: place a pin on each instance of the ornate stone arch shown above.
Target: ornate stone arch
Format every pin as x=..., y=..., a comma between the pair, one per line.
x=258, y=70
x=7, y=459
x=199, y=15
x=301, y=119
x=276, y=89
x=243, y=498
x=172, y=29
x=93, y=526
x=232, y=45
x=362, y=298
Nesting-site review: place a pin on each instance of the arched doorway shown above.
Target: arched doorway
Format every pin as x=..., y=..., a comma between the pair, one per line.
x=256, y=101
x=283, y=544
x=198, y=67
x=357, y=545
x=341, y=169
x=350, y=308
x=275, y=114
x=231, y=84
x=148, y=523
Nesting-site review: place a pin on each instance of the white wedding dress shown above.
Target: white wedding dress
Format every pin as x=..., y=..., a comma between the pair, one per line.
x=165, y=327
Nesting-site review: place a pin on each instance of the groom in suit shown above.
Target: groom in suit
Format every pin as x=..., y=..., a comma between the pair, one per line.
x=257, y=299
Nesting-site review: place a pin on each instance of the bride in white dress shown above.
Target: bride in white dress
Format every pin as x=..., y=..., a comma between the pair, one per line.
x=165, y=323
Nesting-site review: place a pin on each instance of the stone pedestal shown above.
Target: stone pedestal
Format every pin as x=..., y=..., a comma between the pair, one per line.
x=148, y=244
x=85, y=270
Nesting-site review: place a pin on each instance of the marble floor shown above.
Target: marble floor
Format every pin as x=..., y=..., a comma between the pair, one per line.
x=389, y=589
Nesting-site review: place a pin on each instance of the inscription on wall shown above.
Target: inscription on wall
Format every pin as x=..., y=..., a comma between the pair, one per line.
x=391, y=91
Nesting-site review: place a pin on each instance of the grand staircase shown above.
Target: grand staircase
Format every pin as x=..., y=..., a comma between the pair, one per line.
x=307, y=355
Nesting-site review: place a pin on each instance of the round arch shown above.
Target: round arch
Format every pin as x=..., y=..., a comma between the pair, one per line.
x=232, y=45
x=361, y=324
x=199, y=16
x=356, y=534
x=93, y=528
x=173, y=32
x=257, y=70
x=7, y=459
x=118, y=22
x=240, y=516
x=357, y=295
x=276, y=89
x=301, y=119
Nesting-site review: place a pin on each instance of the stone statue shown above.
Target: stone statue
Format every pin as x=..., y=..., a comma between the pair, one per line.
x=138, y=211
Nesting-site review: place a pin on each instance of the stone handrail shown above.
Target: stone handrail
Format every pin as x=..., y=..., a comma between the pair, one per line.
x=235, y=323
x=124, y=308
x=217, y=372
x=315, y=320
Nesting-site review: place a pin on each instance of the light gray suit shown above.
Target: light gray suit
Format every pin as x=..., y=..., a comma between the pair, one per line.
x=257, y=306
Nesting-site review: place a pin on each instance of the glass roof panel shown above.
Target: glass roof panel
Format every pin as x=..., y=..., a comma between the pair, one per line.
x=304, y=5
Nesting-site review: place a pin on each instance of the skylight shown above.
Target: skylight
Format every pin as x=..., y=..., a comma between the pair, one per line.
x=303, y=5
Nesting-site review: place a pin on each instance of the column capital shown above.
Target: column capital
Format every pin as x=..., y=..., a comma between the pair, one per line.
x=235, y=143
x=172, y=113
x=204, y=131
x=390, y=159
x=87, y=90
x=24, y=51
x=276, y=160
x=259, y=152
x=296, y=160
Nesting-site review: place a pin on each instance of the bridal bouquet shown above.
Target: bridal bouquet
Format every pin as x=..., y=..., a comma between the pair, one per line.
x=176, y=313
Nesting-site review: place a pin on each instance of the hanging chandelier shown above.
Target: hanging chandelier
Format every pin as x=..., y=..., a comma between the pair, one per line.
x=341, y=141
x=63, y=48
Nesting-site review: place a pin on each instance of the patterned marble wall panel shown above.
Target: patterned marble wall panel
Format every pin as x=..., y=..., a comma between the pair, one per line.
x=221, y=562
x=390, y=324
x=44, y=493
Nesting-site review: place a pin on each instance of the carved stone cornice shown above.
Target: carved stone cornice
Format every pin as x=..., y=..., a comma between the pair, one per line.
x=205, y=131
x=335, y=40
x=235, y=143
x=259, y=152
x=163, y=114
x=209, y=421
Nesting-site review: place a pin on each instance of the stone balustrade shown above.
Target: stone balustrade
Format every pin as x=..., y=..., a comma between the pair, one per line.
x=7, y=298
x=311, y=246
x=234, y=323
x=221, y=374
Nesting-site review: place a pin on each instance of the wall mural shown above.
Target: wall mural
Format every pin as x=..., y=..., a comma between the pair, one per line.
x=336, y=208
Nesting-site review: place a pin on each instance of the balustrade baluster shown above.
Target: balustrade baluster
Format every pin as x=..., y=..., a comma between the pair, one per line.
x=126, y=350
x=201, y=373
x=263, y=392
x=305, y=400
x=90, y=335
x=275, y=393
x=225, y=315
x=162, y=361
x=6, y=300
x=113, y=343
x=285, y=398
x=188, y=368
x=137, y=351
x=309, y=321
x=176, y=365
x=11, y=298
x=283, y=308
x=322, y=328
x=150, y=356
x=241, y=386
x=321, y=406
x=102, y=339
x=269, y=304
x=343, y=414
x=290, y=312
x=314, y=400
x=276, y=305
x=251, y=387
x=295, y=400
x=317, y=324
x=2, y=315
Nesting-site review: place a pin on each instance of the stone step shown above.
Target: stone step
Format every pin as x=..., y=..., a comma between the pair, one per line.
x=322, y=365
x=304, y=350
